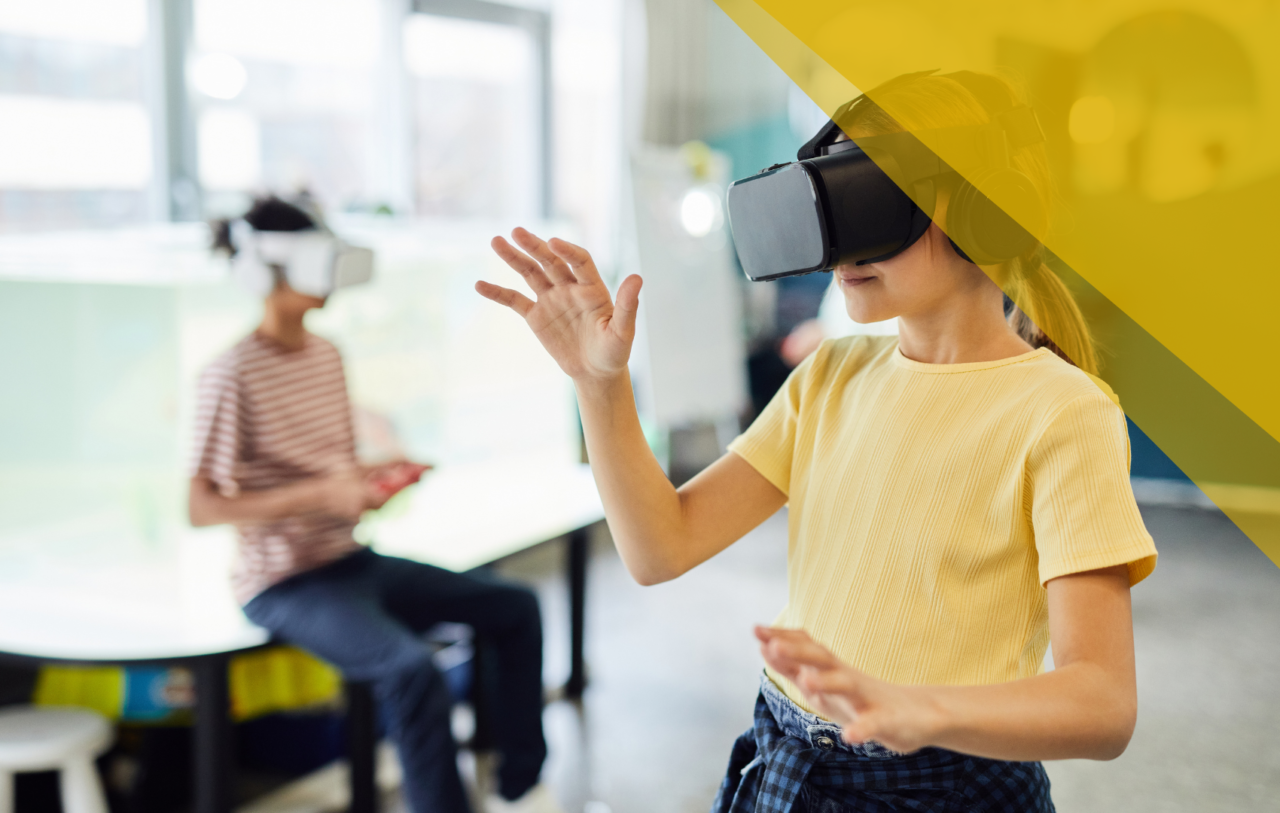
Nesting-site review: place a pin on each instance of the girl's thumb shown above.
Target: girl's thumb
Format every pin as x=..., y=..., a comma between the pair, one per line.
x=626, y=306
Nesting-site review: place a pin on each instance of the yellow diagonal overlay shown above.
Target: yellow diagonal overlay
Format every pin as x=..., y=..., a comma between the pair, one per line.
x=1163, y=130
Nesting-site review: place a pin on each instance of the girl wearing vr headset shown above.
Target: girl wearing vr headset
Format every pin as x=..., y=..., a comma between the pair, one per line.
x=959, y=498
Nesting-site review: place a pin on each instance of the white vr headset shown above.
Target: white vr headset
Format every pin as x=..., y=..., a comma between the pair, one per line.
x=315, y=262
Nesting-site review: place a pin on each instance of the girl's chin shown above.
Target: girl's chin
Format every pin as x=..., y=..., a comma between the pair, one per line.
x=865, y=317
x=864, y=309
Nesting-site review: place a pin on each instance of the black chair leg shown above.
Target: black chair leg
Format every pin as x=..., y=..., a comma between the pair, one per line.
x=362, y=743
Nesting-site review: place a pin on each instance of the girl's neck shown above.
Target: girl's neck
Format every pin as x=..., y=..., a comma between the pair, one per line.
x=973, y=330
x=285, y=329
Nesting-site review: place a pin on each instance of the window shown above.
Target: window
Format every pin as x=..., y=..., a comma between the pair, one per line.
x=286, y=96
x=477, y=142
x=76, y=150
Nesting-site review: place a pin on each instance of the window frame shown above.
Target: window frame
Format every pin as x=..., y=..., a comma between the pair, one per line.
x=176, y=192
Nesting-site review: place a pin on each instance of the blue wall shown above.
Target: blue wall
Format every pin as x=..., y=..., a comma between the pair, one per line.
x=1148, y=460
x=755, y=146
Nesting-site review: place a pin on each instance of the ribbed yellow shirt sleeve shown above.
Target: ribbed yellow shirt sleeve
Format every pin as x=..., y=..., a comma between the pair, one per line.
x=769, y=443
x=1082, y=506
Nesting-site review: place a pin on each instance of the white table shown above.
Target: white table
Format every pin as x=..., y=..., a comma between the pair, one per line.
x=127, y=603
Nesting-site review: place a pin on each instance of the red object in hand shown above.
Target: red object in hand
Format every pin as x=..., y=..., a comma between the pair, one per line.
x=396, y=477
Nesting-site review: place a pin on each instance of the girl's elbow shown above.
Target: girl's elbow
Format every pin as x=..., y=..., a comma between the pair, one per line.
x=1114, y=746
x=1118, y=732
x=646, y=578
x=650, y=570
x=647, y=575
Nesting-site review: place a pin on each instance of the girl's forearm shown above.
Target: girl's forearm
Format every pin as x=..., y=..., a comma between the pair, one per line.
x=1077, y=711
x=644, y=510
x=660, y=532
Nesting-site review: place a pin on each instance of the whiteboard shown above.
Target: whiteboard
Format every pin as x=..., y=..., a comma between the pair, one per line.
x=689, y=364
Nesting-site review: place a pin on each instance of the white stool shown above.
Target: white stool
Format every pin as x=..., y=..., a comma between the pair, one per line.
x=54, y=739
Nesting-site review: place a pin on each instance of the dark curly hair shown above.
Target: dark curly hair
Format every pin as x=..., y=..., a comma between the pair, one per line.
x=268, y=213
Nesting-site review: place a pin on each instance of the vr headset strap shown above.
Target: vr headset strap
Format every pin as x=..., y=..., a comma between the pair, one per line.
x=826, y=136
x=1017, y=122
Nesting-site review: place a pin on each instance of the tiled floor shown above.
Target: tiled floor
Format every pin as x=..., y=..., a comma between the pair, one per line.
x=674, y=670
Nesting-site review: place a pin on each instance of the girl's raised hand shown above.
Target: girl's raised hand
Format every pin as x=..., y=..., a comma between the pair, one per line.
x=903, y=718
x=584, y=330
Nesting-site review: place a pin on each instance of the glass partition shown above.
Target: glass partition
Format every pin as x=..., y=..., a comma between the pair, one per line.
x=100, y=377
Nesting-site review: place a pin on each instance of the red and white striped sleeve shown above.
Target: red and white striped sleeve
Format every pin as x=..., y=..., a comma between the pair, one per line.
x=218, y=437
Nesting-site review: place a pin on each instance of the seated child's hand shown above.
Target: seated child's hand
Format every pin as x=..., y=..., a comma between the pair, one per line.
x=902, y=718
x=388, y=479
x=345, y=496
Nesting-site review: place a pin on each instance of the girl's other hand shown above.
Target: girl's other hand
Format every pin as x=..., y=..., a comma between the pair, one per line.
x=902, y=718
x=584, y=330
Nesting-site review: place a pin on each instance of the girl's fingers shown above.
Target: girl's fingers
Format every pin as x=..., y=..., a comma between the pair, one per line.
x=578, y=258
x=801, y=650
x=514, y=300
x=522, y=265
x=557, y=270
x=880, y=727
x=778, y=646
x=624, y=310
x=835, y=708
x=859, y=731
x=844, y=681
x=766, y=634
x=781, y=633
x=827, y=680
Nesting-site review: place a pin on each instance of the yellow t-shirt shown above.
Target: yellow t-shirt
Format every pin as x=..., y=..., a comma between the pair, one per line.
x=930, y=503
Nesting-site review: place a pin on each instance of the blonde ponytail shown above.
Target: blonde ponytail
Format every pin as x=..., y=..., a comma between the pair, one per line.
x=1045, y=308
x=1047, y=314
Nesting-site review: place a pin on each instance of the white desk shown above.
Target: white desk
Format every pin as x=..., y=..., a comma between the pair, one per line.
x=124, y=606
x=125, y=603
x=466, y=516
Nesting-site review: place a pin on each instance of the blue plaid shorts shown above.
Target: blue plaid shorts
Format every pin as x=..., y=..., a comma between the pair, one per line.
x=795, y=762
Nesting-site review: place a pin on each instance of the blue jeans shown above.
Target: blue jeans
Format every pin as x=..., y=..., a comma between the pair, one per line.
x=365, y=613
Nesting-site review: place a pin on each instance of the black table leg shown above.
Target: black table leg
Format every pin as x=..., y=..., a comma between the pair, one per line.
x=577, y=573
x=482, y=687
x=362, y=744
x=214, y=765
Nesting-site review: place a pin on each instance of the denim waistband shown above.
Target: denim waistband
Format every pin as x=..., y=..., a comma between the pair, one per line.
x=819, y=733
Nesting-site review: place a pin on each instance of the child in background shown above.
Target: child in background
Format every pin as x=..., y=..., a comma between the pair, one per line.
x=275, y=456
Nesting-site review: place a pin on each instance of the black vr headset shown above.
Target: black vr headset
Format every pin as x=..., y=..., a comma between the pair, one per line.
x=843, y=201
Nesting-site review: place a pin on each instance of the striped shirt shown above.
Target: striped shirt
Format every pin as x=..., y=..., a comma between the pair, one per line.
x=267, y=417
